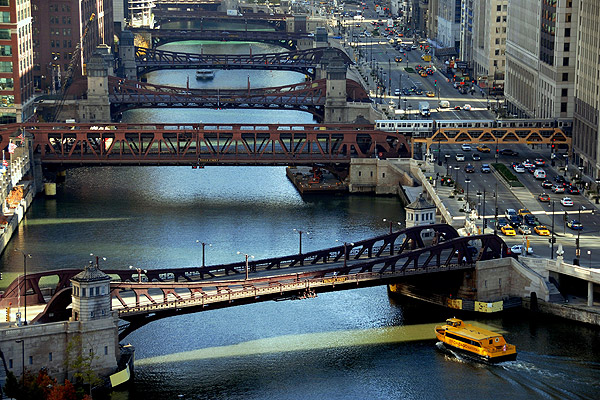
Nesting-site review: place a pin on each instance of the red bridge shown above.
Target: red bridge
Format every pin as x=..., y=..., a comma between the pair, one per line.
x=307, y=96
x=305, y=61
x=204, y=144
x=370, y=262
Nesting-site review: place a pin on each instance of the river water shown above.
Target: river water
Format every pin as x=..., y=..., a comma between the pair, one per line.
x=355, y=344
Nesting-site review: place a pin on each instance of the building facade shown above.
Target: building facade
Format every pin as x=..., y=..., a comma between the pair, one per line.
x=466, y=31
x=586, y=116
x=489, y=44
x=449, y=12
x=58, y=27
x=540, y=58
x=16, y=61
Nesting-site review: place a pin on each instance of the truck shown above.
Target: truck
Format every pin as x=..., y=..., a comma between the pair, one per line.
x=424, y=108
x=233, y=13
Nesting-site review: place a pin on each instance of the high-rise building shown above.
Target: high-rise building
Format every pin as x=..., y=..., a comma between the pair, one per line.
x=449, y=23
x=540, y=58
x=16, y=61
x=432, y=16
x=489, y=43
x=466, y=31
x=58, y=26
x=586, y=124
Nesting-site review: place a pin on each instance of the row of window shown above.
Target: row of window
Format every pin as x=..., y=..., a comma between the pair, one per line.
x=11, y=363
x=426, y=217
x=67, y=44
x=94, y=291
x=66, y=20
x=66, y=56
x=56, y=32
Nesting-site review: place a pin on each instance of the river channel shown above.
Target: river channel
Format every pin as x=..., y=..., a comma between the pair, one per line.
x=355, y=344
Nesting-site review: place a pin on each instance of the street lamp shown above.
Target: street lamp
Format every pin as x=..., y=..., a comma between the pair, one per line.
x=577, y=249
x=139, y=271
x=552, y=233
x=203, y=245
x=247, y=256
x=300, y=244
x=479, y=194
x=467, y=181
x=456, y=168
x=25, y=257
x=391, y=224
x=346, y=244
x=22, y=357
x=590, y=254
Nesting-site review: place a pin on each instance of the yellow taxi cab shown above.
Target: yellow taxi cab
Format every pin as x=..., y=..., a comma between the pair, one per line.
x=508, y=230
x=423, y=74
x=523, y=211
x=430, y=94
x=483, y=148
x=542, y=230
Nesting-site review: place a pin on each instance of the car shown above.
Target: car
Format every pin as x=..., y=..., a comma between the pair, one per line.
x=515, y=220
x=501, y=222
x=531, y=170
x=560, y=179
x=469, y=168
x=483, y=148
x=465, y=147
x=539, y=174
x=414, y=47
x=460, y=157
x=418, y=91
x=508, y=152
x=476, y=157
x=547, y=184
x=398, y=59
x=542, y=230
x=510, y=212
x=508, y=230
x=406, y=92
x=527, y=164
x=543, y=197
x=430, y=94
x=519, y=249
x=519, y=168
x=467, y=107
x=575, y=225
x=485, y=168
x=457, y=108
x=523, y=212
x=566, y=202
x=539, y=162
x=572, y=190
x=397, y=92
x=524, y=230
x=558, y=189
x=530, y=220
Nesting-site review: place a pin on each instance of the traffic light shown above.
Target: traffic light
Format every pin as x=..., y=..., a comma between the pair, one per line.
x=435, y=83
x=566, y=216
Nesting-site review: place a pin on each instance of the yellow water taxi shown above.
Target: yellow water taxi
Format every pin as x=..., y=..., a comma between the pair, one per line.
x=476, y=342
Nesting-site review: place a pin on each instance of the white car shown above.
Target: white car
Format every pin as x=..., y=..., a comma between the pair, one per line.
x=465, y=147
x=566, y=201
x=518, y=249
x=460, y=157
x=397, y=92
x=539, y=174
x=467, y=107
x=414, y=47
x=519, y=168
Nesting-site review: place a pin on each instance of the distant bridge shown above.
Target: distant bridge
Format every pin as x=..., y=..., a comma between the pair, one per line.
x=162, y=15
x=307, y=96
x=305, y=61
x=370, y=262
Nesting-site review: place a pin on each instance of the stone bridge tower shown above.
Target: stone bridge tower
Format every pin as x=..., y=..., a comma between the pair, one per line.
x=97, y=106
x=127, y=54
x=336, y=105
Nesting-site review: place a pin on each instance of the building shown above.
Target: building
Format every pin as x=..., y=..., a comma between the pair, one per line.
x=489, y=44
x=58, y=27
x=431, y=25
x=16, y=61
x=586, y=115
x=540, y=58
x=421, y=212
x=448, y=31
x=466, y=31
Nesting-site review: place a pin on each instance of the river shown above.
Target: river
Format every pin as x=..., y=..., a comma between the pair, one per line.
x=355, y=344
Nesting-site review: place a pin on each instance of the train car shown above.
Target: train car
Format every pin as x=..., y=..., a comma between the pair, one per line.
x=526, y=123
x=415, y=128
x=463, y=123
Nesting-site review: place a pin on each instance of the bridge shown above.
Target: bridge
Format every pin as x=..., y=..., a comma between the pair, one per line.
x=304, y=61
x=163, y=36
x=161, y=15
x=375, y=261
x=307, y=96
x=78, y=144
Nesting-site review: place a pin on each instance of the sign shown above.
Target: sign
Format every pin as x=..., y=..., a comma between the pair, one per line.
x=461, y=64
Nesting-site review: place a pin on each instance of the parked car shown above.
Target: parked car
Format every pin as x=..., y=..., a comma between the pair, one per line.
x=485, y=168
x=508, y=152
x=542, y=230
x=566, y=202
x=547, y=184
x=460, y=157
x=475, y=156
x=575, y=225
x=469, y=168
x=508, y=230
x=483, y=148
x=519, y=249
x=524, y=230
x=530, y=220
x=465, y=147
x=544, y=198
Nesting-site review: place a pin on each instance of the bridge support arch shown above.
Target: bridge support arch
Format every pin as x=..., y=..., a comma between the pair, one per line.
x=97, y=106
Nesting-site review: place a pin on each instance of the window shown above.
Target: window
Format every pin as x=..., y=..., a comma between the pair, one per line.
x=105, y=350
x=91, y=314
x=5, y=50
x=563, y=107
x=567, y=47
x=566, y=62
x=565, y=76
x=10, y=363
x=50, y=357
x=6, y=84
x=4, y=34
x=30, y=360
x=564, y=92
x=82, y=292
x=4, y=2
x=567, y=32
x=5, y=16
x=6, y=66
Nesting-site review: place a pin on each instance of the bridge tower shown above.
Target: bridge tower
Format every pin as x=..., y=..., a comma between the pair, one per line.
x=336, y=106
x=127, y=54
x=421, y=212
x=321, y=38
x=91, y=294
x=97, y=106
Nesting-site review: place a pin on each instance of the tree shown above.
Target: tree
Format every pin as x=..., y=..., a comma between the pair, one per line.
x=63, y=392
x=81, y=362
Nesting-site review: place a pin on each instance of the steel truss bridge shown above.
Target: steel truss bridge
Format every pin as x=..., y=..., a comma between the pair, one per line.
x=173, y=291
x=162, y=36
x=305, y=61
x=165, y=15
x=72, y=144
x=309, y=96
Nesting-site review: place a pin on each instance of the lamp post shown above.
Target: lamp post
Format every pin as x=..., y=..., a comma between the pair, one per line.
x=391, y=224
x=203, y=246
x=139, y=272
x=577, y=249
x=247, y=256
x=484, y=221
x=479, y=194
x=346, y=244
x=467, y=181
x=590, y=254
x=300, y=244
x=456, y=168
x=25, y=257
x=22, y=357
x=552, y=233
